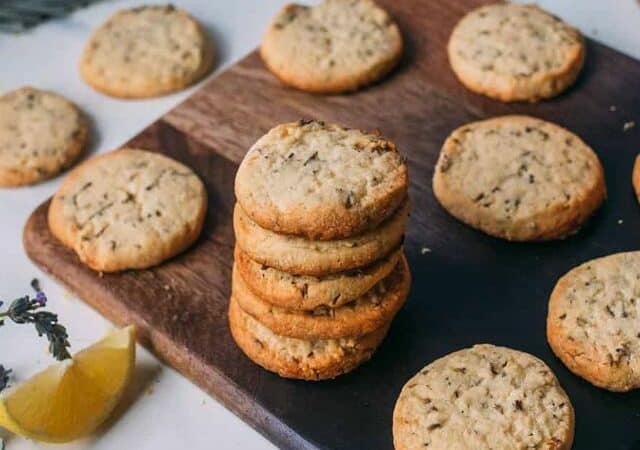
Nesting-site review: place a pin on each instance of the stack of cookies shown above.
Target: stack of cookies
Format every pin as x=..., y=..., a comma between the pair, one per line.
x=319, y=271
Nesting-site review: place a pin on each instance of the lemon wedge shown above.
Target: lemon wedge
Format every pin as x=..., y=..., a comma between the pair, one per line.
x=71, y=398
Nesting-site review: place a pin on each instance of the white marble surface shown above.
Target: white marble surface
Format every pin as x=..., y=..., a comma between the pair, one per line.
x=162, y=410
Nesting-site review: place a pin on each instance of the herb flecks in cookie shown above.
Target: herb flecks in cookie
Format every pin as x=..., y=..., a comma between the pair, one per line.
x=336, y=46
x=519, y=178
x=321, y=181
x=41, y=134
x=515, y=52
x=146, y=51
x=128, y=209
x=593, y=324
x=484, y=397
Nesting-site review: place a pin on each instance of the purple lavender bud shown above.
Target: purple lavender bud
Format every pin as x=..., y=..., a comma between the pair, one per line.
x=41, y=298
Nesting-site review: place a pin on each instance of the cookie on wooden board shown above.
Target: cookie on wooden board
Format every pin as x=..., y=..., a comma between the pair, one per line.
x=309, y=292
x=300, y=256
x=41, y=134
x=519, y=178
x=593, y=324
x=146, y=52
x=335, y=46
x=128, y=209
x=484, y=397
x=299, y=358
x=321, y=181
x=636, y=177
x=515, y=52
x=373, y=310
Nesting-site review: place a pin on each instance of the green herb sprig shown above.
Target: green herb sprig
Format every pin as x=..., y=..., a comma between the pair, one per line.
x=28, y=309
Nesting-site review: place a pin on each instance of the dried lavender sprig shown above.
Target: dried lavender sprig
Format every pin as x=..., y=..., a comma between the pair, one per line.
x=4, y=377
x=26, y=310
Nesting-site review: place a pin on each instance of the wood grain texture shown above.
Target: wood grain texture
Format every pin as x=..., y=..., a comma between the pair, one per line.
x=469, y=289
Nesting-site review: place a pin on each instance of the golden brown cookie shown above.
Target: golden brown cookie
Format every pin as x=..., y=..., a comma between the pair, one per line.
x=321, y=181
x=515, y=52
x=146, y=52
x=301, y=256
x=298, y=358
x=373, y=310
x=519, y=178
x=335, y=46
x=128, y=209
x=484, y=397
x=308, y=292
x=593, y=324
x=41, y=134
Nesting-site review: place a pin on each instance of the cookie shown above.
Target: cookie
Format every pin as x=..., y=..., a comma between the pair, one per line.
x=519, y=178
x=321, y=181
x=514, y=52
x=636, y=177
x=128, y=209
x=336, y=46
x=300, y=256
x=309, y=292
x=484, y=397
x=299, y=358
x=146, y=52
x=593, y=324
x=373, y=310
x=41, y=134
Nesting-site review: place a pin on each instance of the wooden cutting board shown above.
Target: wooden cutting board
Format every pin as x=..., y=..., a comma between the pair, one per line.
x=468, y=289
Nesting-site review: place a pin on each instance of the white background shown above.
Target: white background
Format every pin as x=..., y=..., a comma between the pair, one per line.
x=162, y=409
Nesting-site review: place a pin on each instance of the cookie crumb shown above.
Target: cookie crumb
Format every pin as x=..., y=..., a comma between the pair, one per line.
x=612, y=108
x=620, y=221
x=628, y=125
x=425, y=250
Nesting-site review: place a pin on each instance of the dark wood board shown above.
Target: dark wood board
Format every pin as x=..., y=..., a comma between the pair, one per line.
x=469, y=289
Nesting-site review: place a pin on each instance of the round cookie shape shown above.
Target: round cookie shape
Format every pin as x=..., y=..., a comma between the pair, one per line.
x=321, y=181
x=302, y=359
x=145, y=52
x=514, y=52
x=636, y=177
x=519, y=178
x=128, y=209
x=484, y=397
x=373, y=310
x=300, y=256
x=41, y=134
x=306, y=292
x=593, y=324
x=336, y=46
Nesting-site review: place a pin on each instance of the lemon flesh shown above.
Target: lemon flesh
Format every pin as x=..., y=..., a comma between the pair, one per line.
x=70, y=399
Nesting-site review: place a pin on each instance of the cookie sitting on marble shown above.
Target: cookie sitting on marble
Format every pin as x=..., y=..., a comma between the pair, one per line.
x=41, y=134
x=145, y=52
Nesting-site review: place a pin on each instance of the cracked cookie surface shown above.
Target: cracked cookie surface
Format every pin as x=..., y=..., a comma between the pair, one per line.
x=145, y=52
x=371, y=311
x=336, y=46
x=41, y=134
x=300, y=256
x=306, y=292
x=515, y=52
x=483, y=398
x=128, y=209
x=519, y=178
x=593, y=324
x=321, y=181
x=319, y=359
